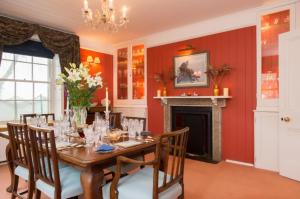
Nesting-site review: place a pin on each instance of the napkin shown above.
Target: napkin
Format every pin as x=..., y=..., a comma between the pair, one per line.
x=105, y=147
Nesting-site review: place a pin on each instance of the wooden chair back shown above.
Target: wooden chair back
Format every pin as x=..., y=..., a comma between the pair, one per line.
x=24, y=117
x=170, y=156
x=45, y=160
x=20, y=147
x=139, y=118
x=47, y=115
x=112, y=120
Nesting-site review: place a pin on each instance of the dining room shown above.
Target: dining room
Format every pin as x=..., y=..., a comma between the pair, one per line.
x=107, y=99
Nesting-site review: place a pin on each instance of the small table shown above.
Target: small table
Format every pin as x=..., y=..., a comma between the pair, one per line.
x=90, y=163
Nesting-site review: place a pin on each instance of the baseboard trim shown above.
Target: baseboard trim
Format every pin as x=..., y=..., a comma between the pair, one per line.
x=240, y=163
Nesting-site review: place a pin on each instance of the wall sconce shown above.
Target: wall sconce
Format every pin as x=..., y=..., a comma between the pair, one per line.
x=187, y=50
x=91, y=60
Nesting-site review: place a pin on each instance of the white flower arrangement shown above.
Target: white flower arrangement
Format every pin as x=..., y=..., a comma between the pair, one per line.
x=80, y=84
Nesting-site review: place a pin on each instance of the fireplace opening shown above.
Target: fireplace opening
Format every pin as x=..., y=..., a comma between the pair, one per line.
x=199, y=120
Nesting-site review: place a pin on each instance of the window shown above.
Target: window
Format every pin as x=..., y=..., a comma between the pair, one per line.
x=24, y=85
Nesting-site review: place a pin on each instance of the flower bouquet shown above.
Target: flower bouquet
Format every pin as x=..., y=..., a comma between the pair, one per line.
x=217, y=74
x=80, y=86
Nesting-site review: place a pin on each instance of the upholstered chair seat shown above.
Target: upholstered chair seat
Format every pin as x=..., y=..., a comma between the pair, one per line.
x=70, y=184
x=140, y=185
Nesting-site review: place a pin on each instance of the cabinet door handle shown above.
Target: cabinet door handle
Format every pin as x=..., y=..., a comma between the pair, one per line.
x=285, y=119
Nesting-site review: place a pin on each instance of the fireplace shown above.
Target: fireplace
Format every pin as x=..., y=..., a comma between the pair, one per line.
x=202, y=105
x=199, y=120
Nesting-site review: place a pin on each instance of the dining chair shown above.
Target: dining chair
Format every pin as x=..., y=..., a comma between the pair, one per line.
x=127, y=167
x=21, y=157
x=47, y=115
x=26, y=117
x=54, y=182
x=151, y=182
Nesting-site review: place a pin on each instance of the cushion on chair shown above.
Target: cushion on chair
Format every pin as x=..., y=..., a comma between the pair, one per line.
x=70, y=184
x=22, y=172
x=126, y=167
x=140, y=186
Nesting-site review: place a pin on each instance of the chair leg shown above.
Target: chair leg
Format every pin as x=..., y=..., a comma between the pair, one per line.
x=15, y=184
x=30, y=189
x=182, y=194
x=37, y=194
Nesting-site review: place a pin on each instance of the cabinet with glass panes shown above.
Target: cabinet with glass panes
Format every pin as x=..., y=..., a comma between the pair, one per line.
x=272, y=23
x=130, y=75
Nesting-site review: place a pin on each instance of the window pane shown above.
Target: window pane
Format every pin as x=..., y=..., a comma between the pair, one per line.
x=40, y=107
x=23, y=71
x=41, y=91
x=24, y=107
x=7, y=90
x=9, y=56
x=24, y=91
x=23, y=58
x=7, y=69
x=7, y=107
x=40, y=72
x=40, y=60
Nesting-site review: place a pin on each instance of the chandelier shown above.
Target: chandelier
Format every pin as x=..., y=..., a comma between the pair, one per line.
x=105, y=17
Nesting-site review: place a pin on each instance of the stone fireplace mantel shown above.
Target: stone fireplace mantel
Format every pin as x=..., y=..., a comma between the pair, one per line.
x=216, y=102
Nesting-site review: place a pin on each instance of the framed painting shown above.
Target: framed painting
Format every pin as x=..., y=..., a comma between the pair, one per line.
x=190, y=70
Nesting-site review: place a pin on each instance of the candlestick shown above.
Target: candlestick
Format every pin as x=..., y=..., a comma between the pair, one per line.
x=110, y=4
x=225, y=92
x=85, y=4
x=106, y=100
x=124, y=11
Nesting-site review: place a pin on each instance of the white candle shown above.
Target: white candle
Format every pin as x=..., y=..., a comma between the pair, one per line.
x=67, y=104
x=106, y=100
x=124, y=11
x=110, y=4
x=85, y=4
x=225, y=92
x=158, y=93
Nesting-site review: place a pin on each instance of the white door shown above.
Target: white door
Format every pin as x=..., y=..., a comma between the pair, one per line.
x=289, y=103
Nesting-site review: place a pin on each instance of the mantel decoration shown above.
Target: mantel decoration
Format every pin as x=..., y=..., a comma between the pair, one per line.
x=216, y=75
x=189, y=70
x=163, y=79
x=80, y=86
x=105, y=16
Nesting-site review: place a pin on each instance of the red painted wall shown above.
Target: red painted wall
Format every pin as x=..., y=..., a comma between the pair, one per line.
x=106, y=69
x=236, y=48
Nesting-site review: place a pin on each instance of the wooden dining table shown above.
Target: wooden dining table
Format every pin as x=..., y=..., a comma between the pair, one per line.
x=91, y=163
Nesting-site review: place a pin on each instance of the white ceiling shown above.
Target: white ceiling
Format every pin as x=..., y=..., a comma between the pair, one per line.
x=146, y=16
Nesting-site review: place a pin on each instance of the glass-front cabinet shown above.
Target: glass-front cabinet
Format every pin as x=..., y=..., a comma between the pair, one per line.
x=271, y=24
x=130, y=75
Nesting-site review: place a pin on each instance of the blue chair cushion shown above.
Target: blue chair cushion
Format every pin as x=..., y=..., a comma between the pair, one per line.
x=22, y=172
x=140, y=186
x=70, y=184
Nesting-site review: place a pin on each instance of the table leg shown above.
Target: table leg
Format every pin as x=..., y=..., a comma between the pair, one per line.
x=91, y=181
x=10, y=166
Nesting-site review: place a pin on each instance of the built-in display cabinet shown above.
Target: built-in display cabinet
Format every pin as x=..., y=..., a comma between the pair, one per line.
x=271, y=23
x=130, y=78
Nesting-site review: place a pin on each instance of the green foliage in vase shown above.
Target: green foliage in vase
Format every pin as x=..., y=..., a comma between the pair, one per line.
x=79, y=84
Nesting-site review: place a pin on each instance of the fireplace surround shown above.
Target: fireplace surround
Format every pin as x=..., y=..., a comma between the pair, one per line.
x=216, y=104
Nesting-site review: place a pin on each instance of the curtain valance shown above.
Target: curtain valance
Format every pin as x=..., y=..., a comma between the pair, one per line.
x=13, y=32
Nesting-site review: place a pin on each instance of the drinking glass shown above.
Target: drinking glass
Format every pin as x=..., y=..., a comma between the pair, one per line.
x=89, y=135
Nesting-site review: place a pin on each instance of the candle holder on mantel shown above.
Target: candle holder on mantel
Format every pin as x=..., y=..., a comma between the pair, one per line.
x=107, y=119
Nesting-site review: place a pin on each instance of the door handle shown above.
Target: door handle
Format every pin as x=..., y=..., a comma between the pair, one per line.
x=285, y=119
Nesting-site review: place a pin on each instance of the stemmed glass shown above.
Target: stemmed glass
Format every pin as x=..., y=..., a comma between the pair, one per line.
x=89, y=135
x=124, y=123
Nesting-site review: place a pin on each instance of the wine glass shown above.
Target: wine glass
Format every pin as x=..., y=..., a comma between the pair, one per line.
x=89, y=135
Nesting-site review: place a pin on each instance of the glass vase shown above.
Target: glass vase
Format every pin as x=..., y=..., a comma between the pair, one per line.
x=79, y=115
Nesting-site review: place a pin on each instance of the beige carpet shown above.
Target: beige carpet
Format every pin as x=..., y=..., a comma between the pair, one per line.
x=219, y=181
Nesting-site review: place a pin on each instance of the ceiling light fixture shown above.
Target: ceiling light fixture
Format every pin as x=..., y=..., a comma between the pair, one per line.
x=104, y=17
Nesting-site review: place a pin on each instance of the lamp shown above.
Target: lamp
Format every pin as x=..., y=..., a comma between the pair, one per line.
x=89, y=59
x=188, y=49
x=97, y=60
